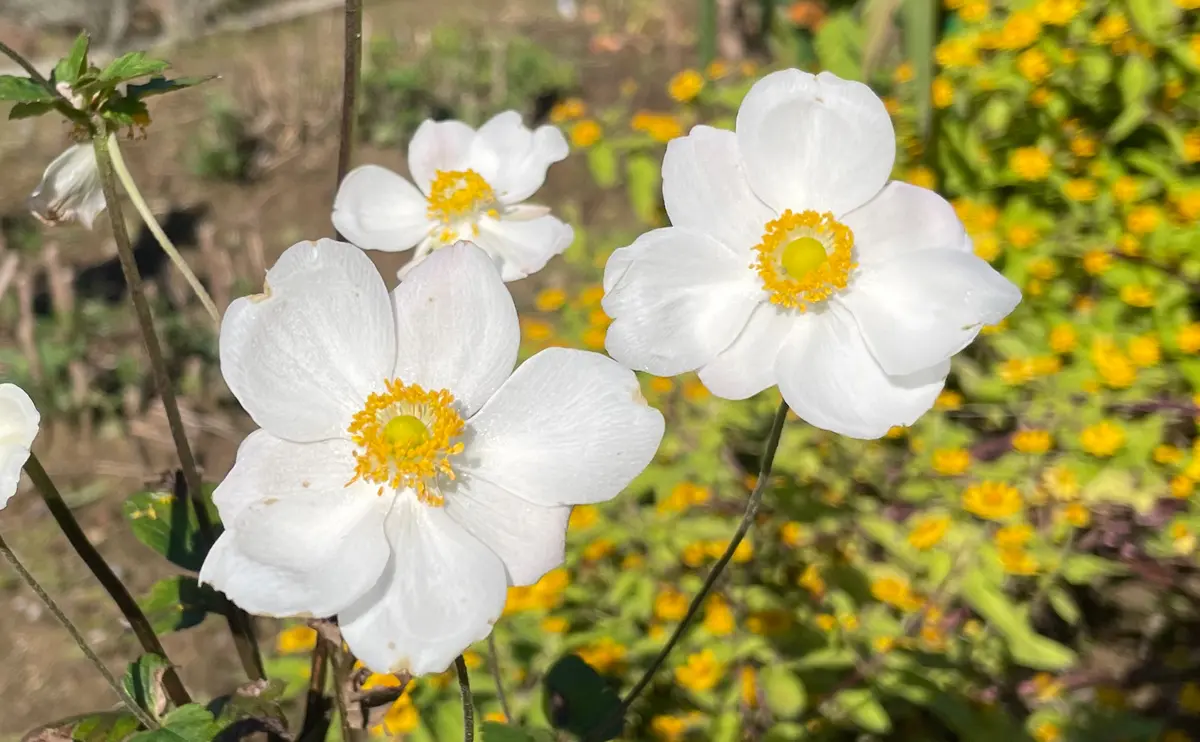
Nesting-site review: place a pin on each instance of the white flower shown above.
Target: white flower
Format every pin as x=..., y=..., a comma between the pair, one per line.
x=792, y=261
x=70, y=189
x=19, y=421
x=405, y=476
x=472, y=185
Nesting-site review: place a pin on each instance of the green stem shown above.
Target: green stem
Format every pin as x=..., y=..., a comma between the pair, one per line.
x=239, y=624
x=104, y=574
x=468, y=700
x=760, y=487
x=140, y=713
x=497, y=677
x=168, y=247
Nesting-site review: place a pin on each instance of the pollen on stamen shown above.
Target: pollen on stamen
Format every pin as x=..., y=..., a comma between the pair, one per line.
x=804, y=258
x=406, y=436
x=456, y=199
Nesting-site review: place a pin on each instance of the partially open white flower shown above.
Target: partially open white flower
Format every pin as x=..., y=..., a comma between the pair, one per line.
x=794, y=262
x=19, y=421
x=70, y=189
x=472, y=187
x=405, y=476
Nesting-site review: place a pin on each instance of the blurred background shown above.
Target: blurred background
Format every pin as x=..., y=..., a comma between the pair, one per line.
x=1021, y=564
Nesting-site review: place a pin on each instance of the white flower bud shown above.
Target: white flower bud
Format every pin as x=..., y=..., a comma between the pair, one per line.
x=70, y=189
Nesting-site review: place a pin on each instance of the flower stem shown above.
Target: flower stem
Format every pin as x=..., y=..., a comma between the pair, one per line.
x=26, y=65
x=351, y=71
x=497, y=677
x=239, y=623
x=316, y=704
x=760, y=487
x=140, y=713
x=104, y=574
x=468, y=700
x=168, y=247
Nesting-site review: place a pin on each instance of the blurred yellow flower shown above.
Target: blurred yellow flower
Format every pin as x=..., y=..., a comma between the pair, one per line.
x=1043, y=268
x=1103, y=439
x=1183, y=541
x=948, y=400
x=1045, y=687
x=662, y=127
x=942, y=92
x=661, y=385
x=1081, y=189
x=603, y=655
x=496, y=716
x=593, y=338
x=1111, y=27
x=401, y=717
x=536, y=329
x=1029, y=163
x=826, y=622
x=1182, y=486
x=1020, y=30
x=1084, y=145
x=566, y=110
x=598, y=549
x=583, y=517
x=792, y=534
x=585, y=133
x=1143, y=219
x=1125, y=189
x=973, y=11
x=296, y=639
x=1187, y=204
x=923, y=177
x=1191, y=146
x=695, y=391
x=992, y=500
x=928, y=531
x=987, y=247
x=555, y=624
x=768, y=623
x=695, y=554
x=1057, y=12
x=1189, y=698
x=1145, y=351
x=700, y=671
x=717, y=69
x=1032, y=441
x=895, y=591
x=670, y=605
x=1039, y=97
x=1076, y=513
x=1188, y=338
x=1013, y=537
x=591, y=296
x=1167, y=454
x=956, y=51
x=550, y=300
x=811, y=580
x=903, y=73
x=668, y=728
x=718, y=617
x=1063, y=338
x=748, y=683
x=1017, y=371
x=951, y=462
x=1060, y=482
x=1137, y=295
x=1017, y=562
x=1096, y=262
x=685, y=86
x=1034, y=65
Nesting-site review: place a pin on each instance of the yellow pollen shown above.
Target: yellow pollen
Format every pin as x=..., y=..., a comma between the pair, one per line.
x=457, y=196
x=405, y=437
x=804, y=258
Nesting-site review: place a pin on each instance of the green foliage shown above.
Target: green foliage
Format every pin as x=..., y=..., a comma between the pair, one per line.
x=225, y=149
x=143, y=683
x=190, y=723
x=168, y=525
x=579, y=700
x=178, y=603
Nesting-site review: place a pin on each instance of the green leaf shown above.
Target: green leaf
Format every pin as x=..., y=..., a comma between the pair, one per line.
x=1127, y=121
x=1136, y=80
x=1064, y=605
x=191, y=723
x=130, y=66
x=1149, y=18
x=839, y=45
x=70, y=67
x=167, y=524
x=178, y=603
x=1085, y=569
x=257, y=700
x=863, y=709
x=23, y=90
x=104, y=726
x=578, y=700
x=29, y=109
x=494, y=731
x=644, y=184
x=143, y=682
x=783, y=690
x=1026, y=646
x=161, y=85
x=602, y=161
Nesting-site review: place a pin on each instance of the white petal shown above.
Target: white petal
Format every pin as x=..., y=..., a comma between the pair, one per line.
x=512, y=158
x=901, y=219
x=522, y=247
x=569, y=427
x=815, y=142
x=438, y=145
x=529, y=539
x=303, y=358
x=441, y=592
x=921, y=308
x=677, y=298
x=298, y=540
x=747, y=366
x=377, y=209
x=705, y=189
x=456, y=326
x=19, y=421
x=830, y=379
x=70, y=188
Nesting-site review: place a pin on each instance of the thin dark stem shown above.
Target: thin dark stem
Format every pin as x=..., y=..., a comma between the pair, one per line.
x=239, y=623
x=116, y=589
x=468, y=700
x=316, y=704
x=351, y=70
x=760, y=487
x=340, y=674
x=497, y=677
x=26, y=65
x=140, y=713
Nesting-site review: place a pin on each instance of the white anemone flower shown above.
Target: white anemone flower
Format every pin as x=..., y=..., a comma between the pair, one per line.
x=19, y=421
x=470, y=185
x=405, y=475
x=70, y=189
x=792, y=261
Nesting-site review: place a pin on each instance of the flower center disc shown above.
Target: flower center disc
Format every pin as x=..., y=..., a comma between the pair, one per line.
x=405, y=437
x=804, y=258
x=456, y=196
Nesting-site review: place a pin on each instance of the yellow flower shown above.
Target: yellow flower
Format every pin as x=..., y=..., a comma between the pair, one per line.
x=685, y=86
x=555, y=624
x=1143, y=219
x=956, y=51
x=1045, y=687
x=1032, y=441
x=1137, y=295
x=695, y=391
x=1043, y=268
x=1017, y=371
x=826, y=622
x=950, y=462
x=992, y=500
x=571, y=108
x=1022, y=236
x=1167, y=454
x=1063, y=338
x=700, y=671
x=748, y=680
x=670, y=605
x=661, y=385
x=668, y=728
x=922, y=177
x=1080, y=189
x=593, y=338
x=1188, y=338
x=849, y=622
x=1060, y=482
x=768, y=623
x=1182, y=486
x=1013, y=537
x=1039, y=97
x=401, y=718
x=948, y=400
x=1076, y=513
x=927, y=531
x=811, y=580
x=296, y=639
x=973, y=11
x=585, y=133
x=1103, y=439
x=1110, y=28
x=792, y=534
x=894, y=591
x=1183, y=541
x=695, y=554
x=1096, y=262
x=496, y=716
x=987, y=247
x=1020, y=30
x=904, y=73
x=883, y=644
x=1191, y=146
x=1083, y=145
x=1033, y=65
x=1029, y=163
x=1125, y=189
x=718, y=617
x=662, y=127
x=1145, y=351
x=598, y=549
x=1017, y=562
x=716, y=69
x=1057, y=12
x=583, y=517
x=603, y=655
x=942, y=92
x=1188, y=205
x=536, y=329
x=550, y=300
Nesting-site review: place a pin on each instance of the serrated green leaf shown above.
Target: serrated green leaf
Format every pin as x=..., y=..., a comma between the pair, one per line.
x=783, y=690
x=578, y=700
x=143, y=683
x=161, y=85
x=178, y=603
x=191, y=723
x=864, y=710
x=494, y=731
x=104, y=726
x=168, y=526
x=130, y=67
x=70, y=67
x=23, y=90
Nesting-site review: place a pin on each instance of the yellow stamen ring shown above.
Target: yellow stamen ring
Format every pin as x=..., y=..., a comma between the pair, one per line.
x=458, y=196
x=405, y=437
x=804, y=258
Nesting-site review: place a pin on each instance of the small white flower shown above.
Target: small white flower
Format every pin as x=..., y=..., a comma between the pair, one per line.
x=19, y=421
x=405, y=476
x=70, y=189
x=792, y=261
x=472, y=187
